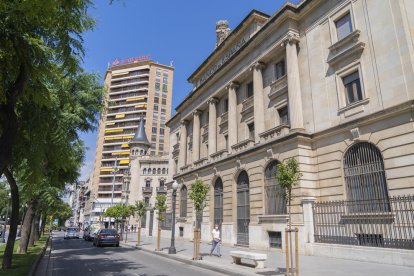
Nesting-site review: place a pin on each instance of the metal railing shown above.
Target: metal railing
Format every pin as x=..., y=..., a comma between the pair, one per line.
x=375, y=222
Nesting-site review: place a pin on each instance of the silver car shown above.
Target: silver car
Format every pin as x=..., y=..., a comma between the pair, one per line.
x=72, y=233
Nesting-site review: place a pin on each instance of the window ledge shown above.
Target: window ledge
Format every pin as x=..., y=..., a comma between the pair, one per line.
x=353, y=105
x=278, y=86
x=243, y=144
x=351, y=37
x=219, y=154
x=263, y=219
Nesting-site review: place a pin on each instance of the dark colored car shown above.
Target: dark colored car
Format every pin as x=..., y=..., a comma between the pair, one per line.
x=106, y=237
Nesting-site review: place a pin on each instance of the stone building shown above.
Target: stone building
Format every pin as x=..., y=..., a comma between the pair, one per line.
x=329, y=83
x=145, y=179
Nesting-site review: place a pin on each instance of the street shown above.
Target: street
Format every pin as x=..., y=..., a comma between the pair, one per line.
x=79, y=257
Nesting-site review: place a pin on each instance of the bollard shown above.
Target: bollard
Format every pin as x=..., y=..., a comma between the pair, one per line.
x=297, y=250
x=287, y=251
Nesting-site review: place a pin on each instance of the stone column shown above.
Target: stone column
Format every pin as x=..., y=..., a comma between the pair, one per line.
x=294, y=92
x=182, y=158
x=212, y=126
x=307, y=206
x=196, y=135
x=232, y=114
x=259, y=120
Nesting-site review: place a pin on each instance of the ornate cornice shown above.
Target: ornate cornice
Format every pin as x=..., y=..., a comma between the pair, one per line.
x=232, y=85
x=212, y=100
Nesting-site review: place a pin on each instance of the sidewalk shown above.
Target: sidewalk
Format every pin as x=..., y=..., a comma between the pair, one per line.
x=275, y=264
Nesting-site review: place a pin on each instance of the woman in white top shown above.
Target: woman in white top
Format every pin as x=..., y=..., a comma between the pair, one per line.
x=216, y=240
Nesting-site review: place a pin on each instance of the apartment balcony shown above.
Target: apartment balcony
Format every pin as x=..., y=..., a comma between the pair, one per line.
x=200, y=162
x=176, y=149
x=275, y=132
x=219, y=155
x=118, y=93
x=129, y=76
x=224, y=119
x=243, y=145
x=147, y=190
x=278, y=87
x=204, y=135
x=248, y=105
x=161, y=190
x=129, y=84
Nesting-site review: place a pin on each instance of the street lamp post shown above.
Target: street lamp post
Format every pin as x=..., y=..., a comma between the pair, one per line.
x=172, y=249
x=5, y=220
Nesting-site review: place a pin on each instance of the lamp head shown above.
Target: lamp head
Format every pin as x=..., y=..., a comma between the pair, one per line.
x=175, y=185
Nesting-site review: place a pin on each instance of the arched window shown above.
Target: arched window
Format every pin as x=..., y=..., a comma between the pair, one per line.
x=275, y=201
x=366, y=184
x=145, y=171
x=154, y=171
x=243, y=208
x=183, y=202
x=159, y=171
x=218, y=202
x=163, y=171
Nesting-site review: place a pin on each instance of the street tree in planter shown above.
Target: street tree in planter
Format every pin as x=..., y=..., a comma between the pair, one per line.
x=287, y=177
x=140, y=209
x=198, y=194
x=161, y=207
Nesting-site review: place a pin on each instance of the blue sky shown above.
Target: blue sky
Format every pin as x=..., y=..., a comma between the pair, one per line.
x=181, y=31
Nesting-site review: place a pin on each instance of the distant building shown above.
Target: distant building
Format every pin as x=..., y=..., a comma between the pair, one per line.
x=329, y=83
x=137, y=89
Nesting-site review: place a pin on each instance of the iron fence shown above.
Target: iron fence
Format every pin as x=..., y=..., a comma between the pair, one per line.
x=366, y=222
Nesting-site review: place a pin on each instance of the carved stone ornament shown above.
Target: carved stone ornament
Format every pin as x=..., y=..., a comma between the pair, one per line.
x=258, y=66
x=213, y=100
x=197, y=112
x=222, y=31
x=291, y=38
x=184, y=122
x=232, y=85
x=355, y=133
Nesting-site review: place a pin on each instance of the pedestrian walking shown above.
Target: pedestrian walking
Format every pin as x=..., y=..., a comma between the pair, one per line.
x=129, y=227
x=215, y=234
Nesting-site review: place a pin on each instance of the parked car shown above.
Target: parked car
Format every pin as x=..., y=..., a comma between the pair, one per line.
x=71, y=233
x=106, y=237
x=90, y=232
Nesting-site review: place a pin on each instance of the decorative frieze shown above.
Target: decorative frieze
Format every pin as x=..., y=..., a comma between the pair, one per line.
x=218, y=155
x=243, y=145
x=275, y=132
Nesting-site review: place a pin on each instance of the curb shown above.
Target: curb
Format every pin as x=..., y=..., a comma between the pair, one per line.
x=38, y=259
x=191, y=262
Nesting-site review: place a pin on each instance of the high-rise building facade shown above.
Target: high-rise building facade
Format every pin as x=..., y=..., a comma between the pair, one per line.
x=135, y=88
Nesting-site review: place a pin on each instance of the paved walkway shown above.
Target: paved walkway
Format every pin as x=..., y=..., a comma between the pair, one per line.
x=275, y=264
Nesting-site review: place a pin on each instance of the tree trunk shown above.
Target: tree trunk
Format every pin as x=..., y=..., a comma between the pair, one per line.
x=14, y=220
x=26, y=227
x=32, y=231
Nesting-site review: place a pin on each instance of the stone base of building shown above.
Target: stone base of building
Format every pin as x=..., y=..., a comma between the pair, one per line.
x=364, y=254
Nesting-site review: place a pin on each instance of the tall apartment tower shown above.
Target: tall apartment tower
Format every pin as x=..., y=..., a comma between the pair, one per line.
x=136, y=88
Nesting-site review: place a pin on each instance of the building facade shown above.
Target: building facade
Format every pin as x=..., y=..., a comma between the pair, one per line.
x=326, y=82
x=137, y=89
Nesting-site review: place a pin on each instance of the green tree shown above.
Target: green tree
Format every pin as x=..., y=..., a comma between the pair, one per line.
x=41, y=41
x=140, y=210
x=119, y=212
x=4, y=197
x=287, y=177
x=161, y=207
x=198, y=193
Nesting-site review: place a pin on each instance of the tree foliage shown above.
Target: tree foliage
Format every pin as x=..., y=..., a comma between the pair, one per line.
x=140, y=209
x=119, y=211
x=288, y=176
x=4, y=197
x=161, y=206
x=198, y=193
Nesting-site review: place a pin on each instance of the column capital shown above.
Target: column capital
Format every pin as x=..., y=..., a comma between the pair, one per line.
x=290, y=38
x=258, y=66
x=197, y=112
x=212, y=100
x=184, y=122
x=232, y=85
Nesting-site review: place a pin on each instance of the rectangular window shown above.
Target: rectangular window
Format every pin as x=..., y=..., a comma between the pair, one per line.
x=164, y=88
x=249, y=90
x=283, y=115
x=343, y=26
x=154, y=138
x=155, y=106
x=164, y=80
x=280, y=69
x=157, y=80
x=164, y=101
x=157, y=86
x=275, y=239
x=156, y=99
x=147, y=183
x=251, y=131
x=226, y=105
x=226, y=138
x=162, y=131
x=165, y=73
x=154, y=130
x=352, y=86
